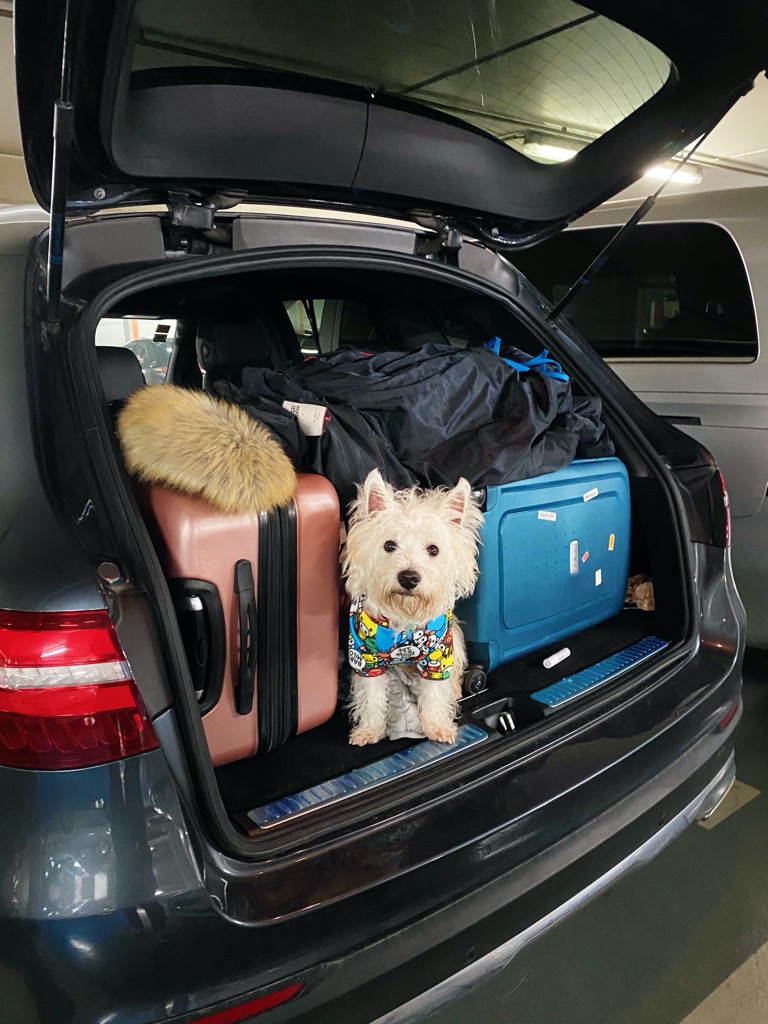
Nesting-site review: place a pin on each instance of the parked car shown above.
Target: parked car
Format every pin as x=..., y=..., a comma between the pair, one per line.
x=678, y=312
x=135, y=884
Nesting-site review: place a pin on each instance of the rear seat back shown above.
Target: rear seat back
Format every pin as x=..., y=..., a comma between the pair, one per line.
x=120, y=372
x=266, y=339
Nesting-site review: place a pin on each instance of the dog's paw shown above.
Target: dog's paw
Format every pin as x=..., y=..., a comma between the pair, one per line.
x=441, y=733
x=361, y=736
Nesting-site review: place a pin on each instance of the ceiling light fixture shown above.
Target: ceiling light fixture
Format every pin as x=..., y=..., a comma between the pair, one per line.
x=687, y=176
x=544, y=151
x=551, y=148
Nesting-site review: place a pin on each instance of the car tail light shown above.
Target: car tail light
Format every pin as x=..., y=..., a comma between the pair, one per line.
x=67, y=698
x=251, y=1008
x=707, y=504
x=728, y=716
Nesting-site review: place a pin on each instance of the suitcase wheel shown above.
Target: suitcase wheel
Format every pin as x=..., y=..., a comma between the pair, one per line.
x=474, y=681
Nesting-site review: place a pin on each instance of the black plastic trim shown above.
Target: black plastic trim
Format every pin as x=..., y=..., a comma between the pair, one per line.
x=690, y=421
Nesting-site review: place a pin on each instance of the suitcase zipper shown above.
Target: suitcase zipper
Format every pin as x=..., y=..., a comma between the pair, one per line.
x=276, y=647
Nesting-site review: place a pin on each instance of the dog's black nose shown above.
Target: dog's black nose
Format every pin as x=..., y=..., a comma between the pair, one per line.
x=408, y=579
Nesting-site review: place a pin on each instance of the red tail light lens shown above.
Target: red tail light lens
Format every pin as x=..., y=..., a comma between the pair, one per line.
x=250, y=1009
x=67, y=699
x=728, y=716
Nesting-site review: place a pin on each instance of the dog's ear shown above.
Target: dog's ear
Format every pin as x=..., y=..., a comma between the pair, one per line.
x=376, y=492
x=458, y=501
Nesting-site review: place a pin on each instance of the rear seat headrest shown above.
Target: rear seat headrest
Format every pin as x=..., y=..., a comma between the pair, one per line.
x=120, y=372
x=265, y=339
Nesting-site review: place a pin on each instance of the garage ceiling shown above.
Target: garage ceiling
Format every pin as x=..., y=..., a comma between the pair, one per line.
x=735, y=155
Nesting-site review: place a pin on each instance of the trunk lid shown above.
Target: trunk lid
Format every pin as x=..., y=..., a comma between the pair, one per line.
x=407, y=105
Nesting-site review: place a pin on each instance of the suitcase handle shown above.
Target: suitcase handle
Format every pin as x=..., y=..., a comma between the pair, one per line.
x=246, y=603
x=201, y=621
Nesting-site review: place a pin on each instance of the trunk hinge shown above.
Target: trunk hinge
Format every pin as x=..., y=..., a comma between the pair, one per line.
x=63, y=131
x=193, y=228
x=445, y=244
x=187, y=212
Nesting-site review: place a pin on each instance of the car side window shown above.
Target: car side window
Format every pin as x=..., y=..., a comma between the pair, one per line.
x=151, y=341
x=670, y=291
x=306, y=316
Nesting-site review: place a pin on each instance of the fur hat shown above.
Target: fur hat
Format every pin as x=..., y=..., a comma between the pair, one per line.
x=205, y=447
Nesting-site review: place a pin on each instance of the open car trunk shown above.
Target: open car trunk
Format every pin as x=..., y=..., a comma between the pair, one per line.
x=378, y=308
x=262, y=783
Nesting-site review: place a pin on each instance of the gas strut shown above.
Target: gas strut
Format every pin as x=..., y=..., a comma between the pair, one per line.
x=618, y=238
x=63, y=128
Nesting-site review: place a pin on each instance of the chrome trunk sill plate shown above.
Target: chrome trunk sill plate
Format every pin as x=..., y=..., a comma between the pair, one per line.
x=365, y=778
x=605, y=671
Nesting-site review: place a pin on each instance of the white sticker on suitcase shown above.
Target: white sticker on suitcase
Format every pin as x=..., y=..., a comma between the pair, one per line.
x=311, y=417
x=574, y=557
x=598, y=577
x=551, y=517
x=591, y=494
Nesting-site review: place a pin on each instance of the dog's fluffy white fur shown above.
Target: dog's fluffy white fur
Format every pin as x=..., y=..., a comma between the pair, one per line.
x=418, y=522
x=203, y=446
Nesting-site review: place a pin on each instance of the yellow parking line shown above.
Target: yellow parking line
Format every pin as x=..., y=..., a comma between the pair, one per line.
x=741, y=999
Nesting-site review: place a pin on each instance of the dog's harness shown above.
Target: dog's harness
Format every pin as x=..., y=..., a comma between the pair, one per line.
x=374, y=646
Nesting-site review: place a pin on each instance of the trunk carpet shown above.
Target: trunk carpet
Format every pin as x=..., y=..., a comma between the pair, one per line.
x=527, y=674
x=324, y=753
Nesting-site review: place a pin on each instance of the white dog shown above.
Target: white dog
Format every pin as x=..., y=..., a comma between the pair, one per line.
x=409, y=556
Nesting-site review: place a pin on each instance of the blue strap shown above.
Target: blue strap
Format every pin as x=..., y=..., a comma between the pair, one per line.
x=541, y=363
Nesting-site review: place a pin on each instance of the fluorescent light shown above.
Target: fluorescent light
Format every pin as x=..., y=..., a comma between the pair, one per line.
x=550, y=153
x=687, y=176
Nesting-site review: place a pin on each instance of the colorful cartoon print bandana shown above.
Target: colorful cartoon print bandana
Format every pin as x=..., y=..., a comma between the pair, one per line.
x=374, y=647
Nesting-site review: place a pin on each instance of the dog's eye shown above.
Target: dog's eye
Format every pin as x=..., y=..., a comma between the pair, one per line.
x=433, y=550
x=389, y=545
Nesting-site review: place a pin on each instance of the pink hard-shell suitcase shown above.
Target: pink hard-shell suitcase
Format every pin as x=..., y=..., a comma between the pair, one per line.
x=257, y=602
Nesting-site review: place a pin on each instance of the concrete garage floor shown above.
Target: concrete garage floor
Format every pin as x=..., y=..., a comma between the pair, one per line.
x=682, y=941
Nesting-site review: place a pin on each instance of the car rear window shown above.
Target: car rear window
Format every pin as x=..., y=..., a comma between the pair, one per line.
x=151, y=341
x=546, y=77
x=670, y=291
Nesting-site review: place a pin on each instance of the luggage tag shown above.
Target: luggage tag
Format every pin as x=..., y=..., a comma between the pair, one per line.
x=312, y=418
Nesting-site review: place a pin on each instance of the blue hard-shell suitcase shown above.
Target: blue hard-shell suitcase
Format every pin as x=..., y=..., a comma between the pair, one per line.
x=554, y=560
